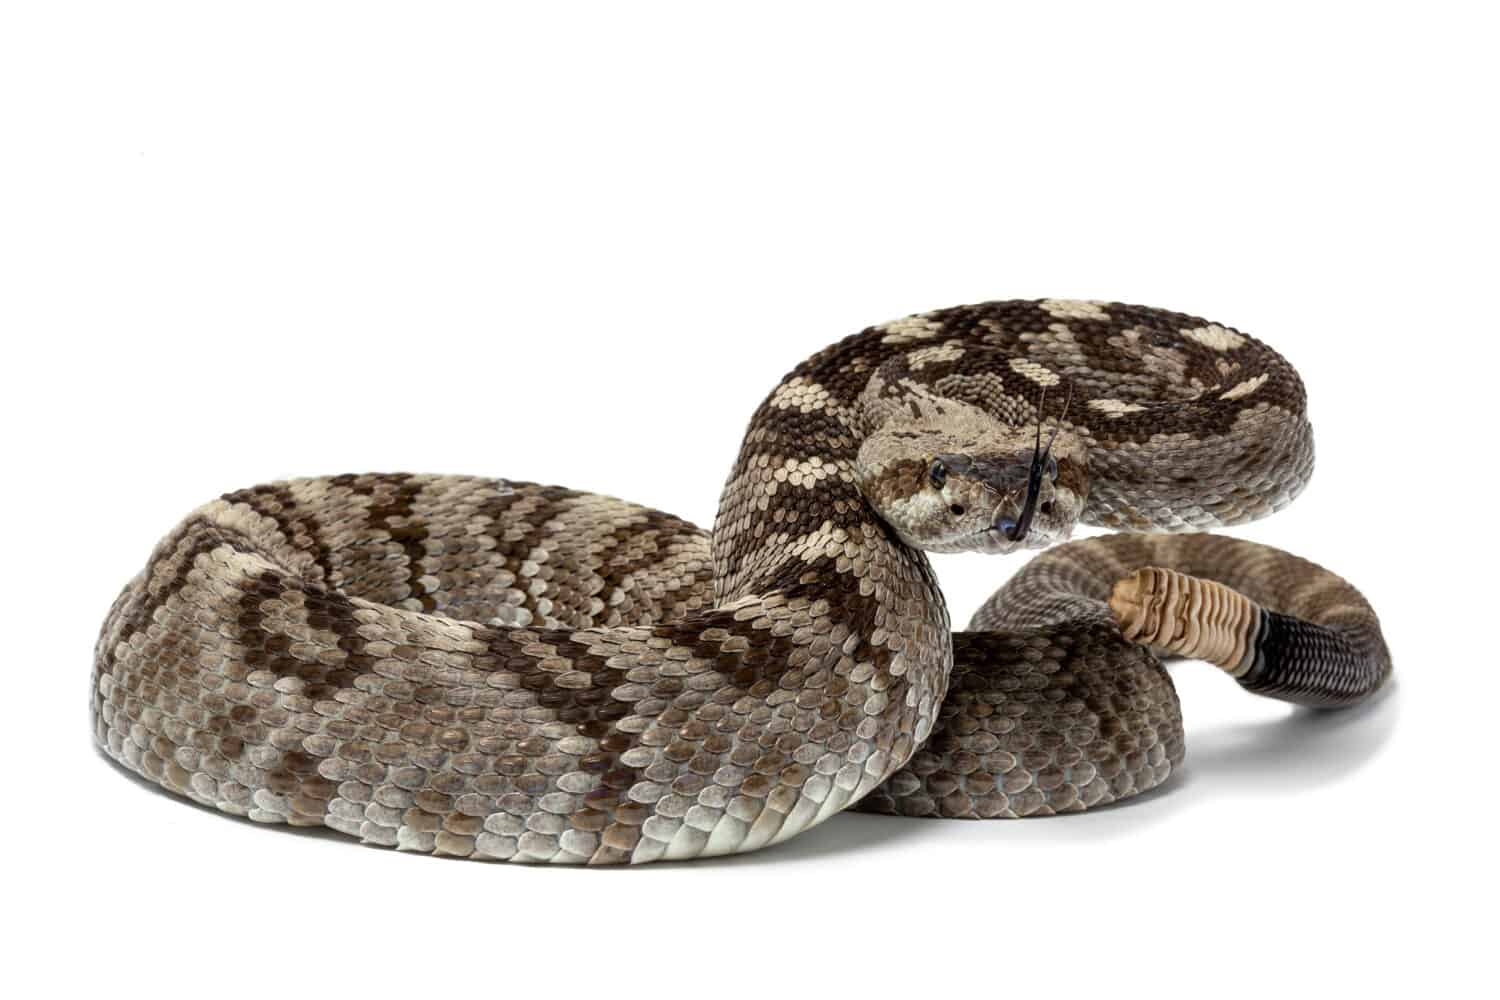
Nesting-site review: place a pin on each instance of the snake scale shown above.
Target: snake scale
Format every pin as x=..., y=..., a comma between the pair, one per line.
x=509, y=671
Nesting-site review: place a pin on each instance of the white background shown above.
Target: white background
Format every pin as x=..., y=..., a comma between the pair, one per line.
x=578, y=244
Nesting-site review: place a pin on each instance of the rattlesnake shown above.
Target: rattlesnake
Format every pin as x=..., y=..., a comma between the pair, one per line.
x=504, y=670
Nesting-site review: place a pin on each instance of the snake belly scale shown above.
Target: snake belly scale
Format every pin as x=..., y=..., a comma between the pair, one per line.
x=509, y=671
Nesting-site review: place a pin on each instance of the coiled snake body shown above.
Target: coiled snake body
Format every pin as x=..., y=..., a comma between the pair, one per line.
x=510, y=671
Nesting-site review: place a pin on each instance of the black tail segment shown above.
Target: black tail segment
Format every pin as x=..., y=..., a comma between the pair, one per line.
x=1323, y=666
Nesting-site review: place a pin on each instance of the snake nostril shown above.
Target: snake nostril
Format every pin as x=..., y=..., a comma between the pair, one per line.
x=1046, y=507
x=956, y=510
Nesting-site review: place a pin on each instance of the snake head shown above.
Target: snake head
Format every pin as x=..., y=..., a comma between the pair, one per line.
x=950, y=478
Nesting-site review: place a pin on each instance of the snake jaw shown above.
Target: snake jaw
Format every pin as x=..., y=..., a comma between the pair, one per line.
x=1042, y=534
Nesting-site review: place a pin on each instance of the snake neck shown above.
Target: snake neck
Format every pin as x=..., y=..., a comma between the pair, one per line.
x=793, y=533
x=793, y=496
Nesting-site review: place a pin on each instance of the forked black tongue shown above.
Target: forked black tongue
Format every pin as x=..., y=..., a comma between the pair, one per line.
x=1039, y=456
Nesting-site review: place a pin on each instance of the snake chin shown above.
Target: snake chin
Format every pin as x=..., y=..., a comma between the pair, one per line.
x=1045, y=531
x=994, y=542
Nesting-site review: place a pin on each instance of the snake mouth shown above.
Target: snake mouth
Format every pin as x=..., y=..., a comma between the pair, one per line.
x=996, y=540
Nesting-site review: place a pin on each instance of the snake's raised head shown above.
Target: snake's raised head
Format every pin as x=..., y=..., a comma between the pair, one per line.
x=950, y=478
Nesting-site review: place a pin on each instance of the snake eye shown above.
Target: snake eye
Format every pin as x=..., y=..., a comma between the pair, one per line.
x=938, y=474
x=1051, y=467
